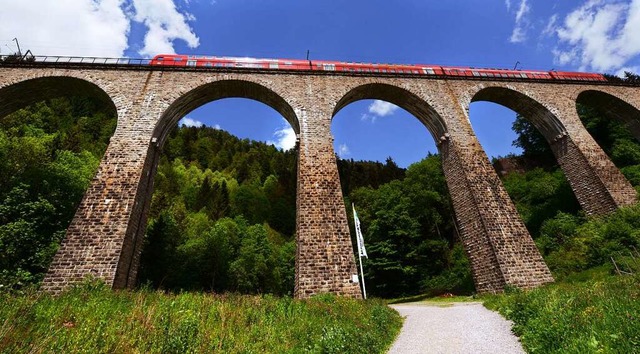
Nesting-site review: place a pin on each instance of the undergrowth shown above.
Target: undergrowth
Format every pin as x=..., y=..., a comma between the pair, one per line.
x=93, y=318
x=599, y=315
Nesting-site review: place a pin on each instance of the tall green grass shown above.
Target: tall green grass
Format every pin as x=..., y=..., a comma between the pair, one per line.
x=601, y=315
x=95, y=319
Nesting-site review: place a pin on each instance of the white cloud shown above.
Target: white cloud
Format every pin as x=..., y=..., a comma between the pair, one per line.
x=343, y=150
x=600, y=35
x=519, y=33
x=94, y=28
x=507, y=3
x=189, y=122
x=366, y=117
x=382, y=108
x=285, y=138
x=165, y=24
x=52, y=27
x=550, y=28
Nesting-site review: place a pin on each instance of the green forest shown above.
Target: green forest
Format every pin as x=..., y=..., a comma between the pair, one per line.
x=222, y=216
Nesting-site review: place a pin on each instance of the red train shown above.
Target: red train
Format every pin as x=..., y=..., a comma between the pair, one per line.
x=323, y=65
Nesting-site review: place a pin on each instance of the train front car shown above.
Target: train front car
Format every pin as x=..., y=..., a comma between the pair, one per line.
x=169, y=60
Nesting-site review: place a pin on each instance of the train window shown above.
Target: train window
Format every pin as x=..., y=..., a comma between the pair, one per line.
x=504, y=75
x=384, y=70
x=191, y=63
x=218, y=64
x=429, y=71
x=160, y=58
x=330, y=67
x=415, y=72
x=177, y=59
x=483, y=74
x=475, y=73
x=523, y=75
x=273, y=65
x=288, y=63
x=376, y=70
x=208, y=64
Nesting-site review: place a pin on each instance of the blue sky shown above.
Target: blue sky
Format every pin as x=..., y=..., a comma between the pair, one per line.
x=588, y=35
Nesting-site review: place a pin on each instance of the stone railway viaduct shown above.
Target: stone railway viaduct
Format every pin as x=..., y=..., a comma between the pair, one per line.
x=105, y=237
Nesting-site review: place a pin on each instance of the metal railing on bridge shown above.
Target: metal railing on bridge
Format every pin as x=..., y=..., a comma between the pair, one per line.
x=14, y=59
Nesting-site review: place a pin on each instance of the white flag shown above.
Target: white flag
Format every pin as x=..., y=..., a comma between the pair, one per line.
x=359, y=239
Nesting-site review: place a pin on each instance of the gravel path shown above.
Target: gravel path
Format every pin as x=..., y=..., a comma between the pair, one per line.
x=453, y=328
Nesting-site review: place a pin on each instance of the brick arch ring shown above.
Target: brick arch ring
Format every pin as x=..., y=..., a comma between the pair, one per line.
x=217, y=90
x=27, y=92
x=541, y=116
x=401, y=97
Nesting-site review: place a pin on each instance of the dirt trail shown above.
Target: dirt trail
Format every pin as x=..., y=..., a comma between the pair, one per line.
x=466, y=327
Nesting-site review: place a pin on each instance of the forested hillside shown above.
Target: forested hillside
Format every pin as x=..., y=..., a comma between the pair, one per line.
x=568, y=240
x=49, y=153
x=222, y=215
x=223, y=218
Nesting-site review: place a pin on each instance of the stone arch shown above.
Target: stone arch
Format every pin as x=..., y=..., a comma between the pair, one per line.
x=613, y=107
x=577, y=161
x=541, y=117
x=401, y=97
x=18, y=94
x=185, y=103
x=217, y=90
x=492, y=235
x=24, y=93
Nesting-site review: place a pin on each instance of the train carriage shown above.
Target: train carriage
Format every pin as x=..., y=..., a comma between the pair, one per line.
x=179, y=60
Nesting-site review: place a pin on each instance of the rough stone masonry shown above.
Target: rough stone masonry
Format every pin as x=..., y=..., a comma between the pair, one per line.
x=105, y=237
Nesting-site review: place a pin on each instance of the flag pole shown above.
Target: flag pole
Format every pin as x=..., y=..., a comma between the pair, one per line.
x=364, y=290
x=360, y=247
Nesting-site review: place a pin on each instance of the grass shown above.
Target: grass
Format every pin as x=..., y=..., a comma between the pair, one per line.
x=598, y=315
x=430, y=299
x=93, y=318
